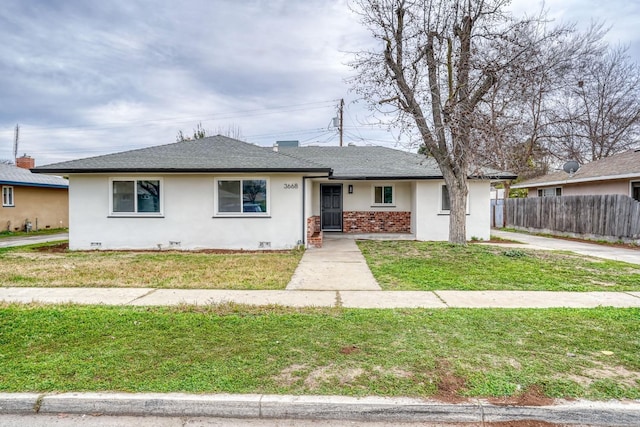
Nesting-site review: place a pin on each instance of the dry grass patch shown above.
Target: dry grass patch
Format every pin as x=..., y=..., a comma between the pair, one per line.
x=183, y=270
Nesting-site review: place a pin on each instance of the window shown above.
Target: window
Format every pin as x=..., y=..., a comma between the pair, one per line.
x=242, y=196
x=445, y=203
x=549, y=192
x=7, y=196
x=383, y=194
x=635, y=190
x=139, y=197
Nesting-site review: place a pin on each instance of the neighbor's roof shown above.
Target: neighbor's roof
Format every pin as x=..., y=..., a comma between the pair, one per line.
x=370, y=162
x=13, y=175
x=211, y=154
x=619, y=166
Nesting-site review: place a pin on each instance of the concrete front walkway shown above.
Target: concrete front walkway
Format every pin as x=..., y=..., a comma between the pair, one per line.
x=346, y=299
x=338, y=265
x=590, y=249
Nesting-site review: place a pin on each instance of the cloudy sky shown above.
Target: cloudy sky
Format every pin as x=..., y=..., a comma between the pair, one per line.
x=84, y=78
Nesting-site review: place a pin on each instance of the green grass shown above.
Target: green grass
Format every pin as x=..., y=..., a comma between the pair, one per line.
x=238, y=349
x=408, y=265
x=6, y=233
x=36, y=265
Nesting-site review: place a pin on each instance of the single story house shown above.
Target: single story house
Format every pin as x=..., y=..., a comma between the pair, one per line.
x=618, y=174
x=30, y=200
x=219, y=192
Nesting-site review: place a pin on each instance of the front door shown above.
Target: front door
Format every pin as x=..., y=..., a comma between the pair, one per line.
x=331, y=211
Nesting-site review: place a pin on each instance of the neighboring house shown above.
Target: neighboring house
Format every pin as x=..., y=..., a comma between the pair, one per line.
x=39, y=201
x=219, y=192
x=618, y=174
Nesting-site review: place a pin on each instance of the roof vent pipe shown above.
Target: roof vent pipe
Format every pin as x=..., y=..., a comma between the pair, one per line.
x=275, y=147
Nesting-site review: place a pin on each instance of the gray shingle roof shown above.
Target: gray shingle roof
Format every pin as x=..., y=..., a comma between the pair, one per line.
x=623, y=165
x=223, y=154
x=211, y=154
x=13, y=175
x=355, y=162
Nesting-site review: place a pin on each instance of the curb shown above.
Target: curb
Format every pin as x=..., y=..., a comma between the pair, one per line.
x=256, y=406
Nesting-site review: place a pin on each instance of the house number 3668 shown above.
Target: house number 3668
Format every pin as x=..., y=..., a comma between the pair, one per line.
x=291, y=186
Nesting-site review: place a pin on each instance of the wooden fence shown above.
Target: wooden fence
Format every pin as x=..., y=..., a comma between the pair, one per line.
x=611, y=217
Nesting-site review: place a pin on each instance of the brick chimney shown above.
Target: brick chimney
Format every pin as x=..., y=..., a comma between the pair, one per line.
x=25, y=162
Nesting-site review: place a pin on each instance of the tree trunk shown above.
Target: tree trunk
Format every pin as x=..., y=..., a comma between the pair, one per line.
x=458, y=191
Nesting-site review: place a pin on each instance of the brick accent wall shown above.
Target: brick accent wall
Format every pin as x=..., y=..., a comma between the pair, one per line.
x=314, y=234
x=376, y=222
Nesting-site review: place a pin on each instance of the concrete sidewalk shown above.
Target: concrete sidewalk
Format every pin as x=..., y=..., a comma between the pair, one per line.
x=339, y=408
x=346, y=299
x=590, y=249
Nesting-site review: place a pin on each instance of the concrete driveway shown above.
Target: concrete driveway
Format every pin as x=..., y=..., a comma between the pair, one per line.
x=31, y=240
x=590, y=249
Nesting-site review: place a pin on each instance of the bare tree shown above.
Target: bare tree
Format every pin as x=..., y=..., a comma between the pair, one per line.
x=232, y=131
x=516, y=120
x=600, y=111
x=436, y=61
x=198, y=133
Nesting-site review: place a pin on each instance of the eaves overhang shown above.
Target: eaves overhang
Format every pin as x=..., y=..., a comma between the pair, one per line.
x=577, y=180
x=32, y=184
x=180, y=170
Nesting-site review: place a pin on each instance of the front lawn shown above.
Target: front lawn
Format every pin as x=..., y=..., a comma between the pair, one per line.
x=448, y=354
x=427, y=266
x=50, y=266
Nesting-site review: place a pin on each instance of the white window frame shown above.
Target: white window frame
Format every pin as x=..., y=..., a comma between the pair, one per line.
x=441, y=210
x=216, y=212
x=8, y=196
x=135, y=213
x=393, y=194
x=554, y=189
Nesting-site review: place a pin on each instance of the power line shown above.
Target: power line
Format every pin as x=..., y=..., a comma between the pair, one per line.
x=186, y=119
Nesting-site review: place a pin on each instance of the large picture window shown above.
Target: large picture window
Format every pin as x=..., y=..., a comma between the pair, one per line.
x=7, y=196
x=139, y=196
x=242, y=196
x=383, y=194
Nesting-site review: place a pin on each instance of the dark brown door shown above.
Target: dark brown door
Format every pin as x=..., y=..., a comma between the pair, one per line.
x=331, y=211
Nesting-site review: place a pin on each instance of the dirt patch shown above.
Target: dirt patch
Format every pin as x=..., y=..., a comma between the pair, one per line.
x=349, y=349
x=449, y=384
x=290, y=375
x=60, y=247
x=532, y=396
x=331, y=373
x=620, y=374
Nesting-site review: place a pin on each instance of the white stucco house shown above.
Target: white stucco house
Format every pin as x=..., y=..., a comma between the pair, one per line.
x=219, y=192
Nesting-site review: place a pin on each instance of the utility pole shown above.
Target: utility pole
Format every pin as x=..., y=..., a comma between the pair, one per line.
x=16, y=137
x=340, y=115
